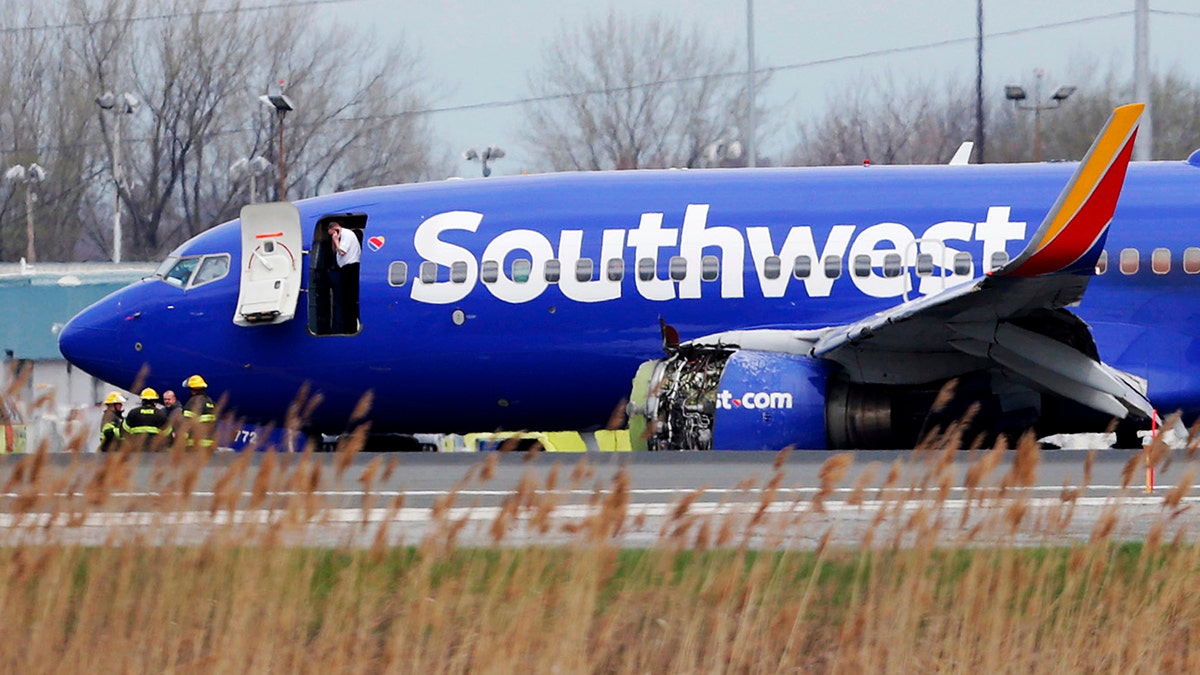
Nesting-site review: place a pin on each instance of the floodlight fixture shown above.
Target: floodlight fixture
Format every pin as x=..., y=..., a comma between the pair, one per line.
x=282, y=104
x=486, y=155
x=1014, y=92
x=1063, y=92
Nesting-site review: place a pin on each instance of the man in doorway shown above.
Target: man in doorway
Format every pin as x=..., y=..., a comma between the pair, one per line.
x=344, y=278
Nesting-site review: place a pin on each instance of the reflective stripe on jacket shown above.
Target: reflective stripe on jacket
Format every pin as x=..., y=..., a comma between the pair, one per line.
x=146, y=420
x=200, y=419
x=110, y=430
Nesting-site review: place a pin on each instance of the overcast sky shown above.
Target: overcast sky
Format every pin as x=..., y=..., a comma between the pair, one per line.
x=480, y=51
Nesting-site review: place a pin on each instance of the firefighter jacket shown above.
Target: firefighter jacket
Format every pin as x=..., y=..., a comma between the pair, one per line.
x=200, y=421
x=110, y=430
x=146, y=422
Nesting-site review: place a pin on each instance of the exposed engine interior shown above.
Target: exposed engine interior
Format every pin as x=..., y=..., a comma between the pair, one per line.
x=681, y=400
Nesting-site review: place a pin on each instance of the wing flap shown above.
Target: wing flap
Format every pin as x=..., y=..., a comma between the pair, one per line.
x=1050, y=274
x=1053, y=365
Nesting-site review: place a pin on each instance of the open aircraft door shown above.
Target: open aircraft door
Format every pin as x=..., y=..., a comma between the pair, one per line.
x=271, y=269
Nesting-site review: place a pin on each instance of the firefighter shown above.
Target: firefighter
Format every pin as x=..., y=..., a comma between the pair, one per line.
x=199, y=414
x=147, y=422
x=110, y=424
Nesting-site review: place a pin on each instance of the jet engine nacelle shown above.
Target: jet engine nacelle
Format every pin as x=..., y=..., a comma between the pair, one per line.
x=703, y=398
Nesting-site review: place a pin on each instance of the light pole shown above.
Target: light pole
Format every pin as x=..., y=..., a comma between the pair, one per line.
x=251, y=169
x=27, y=176
x=123, y=104
x=486, y=155
x=1016, y=94
x=282, y=105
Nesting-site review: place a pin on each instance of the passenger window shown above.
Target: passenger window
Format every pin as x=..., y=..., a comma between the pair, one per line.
x=212, y=268
x=962, y=264
x=710, y=267
x=678, y=267
x=553, y=271
x=862, y=265
x=891, y=265
x=489, y=271
x=1129, y=261
x=833, y=266
x=521, y=269
x=398, y=273
x=802, y=267
x=1191, y=260
x=458, y=272
x=1102, y=262
x=583, y=269
x=1160, y=260
x=772, y=267
x=999, y=259
x=615, y=269
x=924, y=264
x=429, y=272
x=646, y=269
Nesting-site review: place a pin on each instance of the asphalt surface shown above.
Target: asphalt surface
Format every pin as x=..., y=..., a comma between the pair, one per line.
x=800, y=499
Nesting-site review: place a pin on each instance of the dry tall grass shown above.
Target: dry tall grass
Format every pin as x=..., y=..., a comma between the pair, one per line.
x=901, y=600
x=923, y=588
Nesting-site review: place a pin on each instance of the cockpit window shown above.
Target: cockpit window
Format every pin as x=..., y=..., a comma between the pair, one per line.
x=213, y=267
x=165, y=266
x=193, y=271
x=181, y=272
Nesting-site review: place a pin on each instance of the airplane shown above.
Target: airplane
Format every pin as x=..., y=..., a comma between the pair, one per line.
x=825, y=307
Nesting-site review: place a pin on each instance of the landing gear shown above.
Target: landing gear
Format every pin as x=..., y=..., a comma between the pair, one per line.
x=1127, y=434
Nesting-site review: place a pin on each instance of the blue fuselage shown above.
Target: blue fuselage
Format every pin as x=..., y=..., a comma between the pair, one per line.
x=475, y=354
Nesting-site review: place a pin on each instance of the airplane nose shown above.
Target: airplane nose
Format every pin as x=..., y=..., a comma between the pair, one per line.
x=88, y=340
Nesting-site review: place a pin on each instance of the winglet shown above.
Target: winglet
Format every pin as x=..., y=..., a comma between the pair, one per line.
x=962, y=156
x=1072, y=235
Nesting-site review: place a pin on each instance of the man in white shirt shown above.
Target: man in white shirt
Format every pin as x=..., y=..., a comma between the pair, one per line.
x=344, y=278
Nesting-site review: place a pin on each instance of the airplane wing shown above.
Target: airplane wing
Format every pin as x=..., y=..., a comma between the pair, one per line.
x=1014, y=317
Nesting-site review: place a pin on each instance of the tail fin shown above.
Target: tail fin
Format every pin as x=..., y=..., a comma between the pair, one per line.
x=1072, y=235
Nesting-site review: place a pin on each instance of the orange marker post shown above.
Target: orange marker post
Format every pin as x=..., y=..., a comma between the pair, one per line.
x=1146, y=450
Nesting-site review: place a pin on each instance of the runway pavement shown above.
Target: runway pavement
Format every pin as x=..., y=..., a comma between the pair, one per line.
x=759, y=499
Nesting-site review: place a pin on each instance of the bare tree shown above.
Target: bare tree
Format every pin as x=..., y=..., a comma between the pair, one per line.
x=880, y=121
x=43, y=121
x=197, y=67
x=623, y=93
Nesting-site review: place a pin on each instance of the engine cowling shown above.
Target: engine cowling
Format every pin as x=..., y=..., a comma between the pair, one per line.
x=728, y=399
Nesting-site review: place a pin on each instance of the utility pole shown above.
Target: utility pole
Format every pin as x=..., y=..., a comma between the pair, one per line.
x=979, y=81
x=1143, y=150
x=752, y=156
